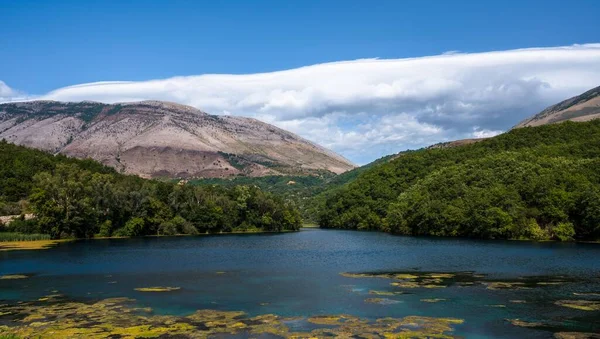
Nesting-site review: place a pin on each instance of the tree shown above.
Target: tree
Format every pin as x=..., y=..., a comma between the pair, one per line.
x=62, y=202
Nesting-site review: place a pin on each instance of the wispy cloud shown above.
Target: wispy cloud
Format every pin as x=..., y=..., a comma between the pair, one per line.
x=368, y=108
x=9, y=94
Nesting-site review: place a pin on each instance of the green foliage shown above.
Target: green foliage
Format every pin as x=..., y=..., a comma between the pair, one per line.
x=297, y=190
x=81, y=198
x=531, y=183
x=20, y=225
x=563, y=231
x=105, y=229
x=235, y=161
x=133, y=227
x=14, y=236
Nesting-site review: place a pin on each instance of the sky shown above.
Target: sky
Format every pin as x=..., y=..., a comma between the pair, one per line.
x=364, y=78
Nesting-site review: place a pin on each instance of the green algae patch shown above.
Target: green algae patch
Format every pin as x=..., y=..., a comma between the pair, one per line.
x=329, y=319
x=432, y=280
x=506, y=285
x=523, y=323
x=120, y=318
x=13, y=277
x=382, y=301
x=418, y=279
x=157, y=289
x=587, y=294
x=407, y=327
x=433, y=300
x=576, y=335
x=385, y=293
x=583, y=305
x=553, y=326
x=405, y=276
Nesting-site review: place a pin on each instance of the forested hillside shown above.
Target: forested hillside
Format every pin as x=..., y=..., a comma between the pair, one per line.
x=303, y=191
x=530, y=183
x=82, y=198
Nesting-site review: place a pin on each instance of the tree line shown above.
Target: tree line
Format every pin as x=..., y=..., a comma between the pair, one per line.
x=83, y=198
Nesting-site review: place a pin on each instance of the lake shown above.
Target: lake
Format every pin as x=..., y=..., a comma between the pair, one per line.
x=549, y=287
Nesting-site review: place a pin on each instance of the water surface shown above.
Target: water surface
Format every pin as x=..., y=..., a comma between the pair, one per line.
x=298, y=274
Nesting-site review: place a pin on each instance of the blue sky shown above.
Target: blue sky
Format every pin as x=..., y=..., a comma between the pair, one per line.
x=50, y=44
x=47, y=45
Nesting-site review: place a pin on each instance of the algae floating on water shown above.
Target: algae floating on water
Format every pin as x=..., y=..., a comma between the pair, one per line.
x=118, y=317
x=382, y=301
x=13, y=277
x=583, y=305
x=157, y=289
x=433, y=300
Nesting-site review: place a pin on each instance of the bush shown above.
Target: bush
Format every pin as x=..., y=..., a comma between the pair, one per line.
x=563, y=231
x=533, y=231
x=20, y=225
x=105, y=229
x=132, y=228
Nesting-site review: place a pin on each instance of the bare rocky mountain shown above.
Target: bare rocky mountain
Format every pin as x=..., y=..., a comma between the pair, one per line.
x=161, y=139
x=583, y=107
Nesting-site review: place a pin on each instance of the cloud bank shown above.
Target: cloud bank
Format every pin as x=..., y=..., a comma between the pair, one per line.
x=368, y=108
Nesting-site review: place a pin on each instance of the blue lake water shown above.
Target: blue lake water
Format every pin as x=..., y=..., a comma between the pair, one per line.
x=298, y=274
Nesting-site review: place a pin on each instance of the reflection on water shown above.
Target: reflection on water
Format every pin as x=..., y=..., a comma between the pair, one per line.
x=499, y=288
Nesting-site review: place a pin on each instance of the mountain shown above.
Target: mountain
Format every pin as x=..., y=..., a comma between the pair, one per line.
x=162, y=139
x=583, y=107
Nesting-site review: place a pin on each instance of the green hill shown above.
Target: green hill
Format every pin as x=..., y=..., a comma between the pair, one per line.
x=530, y=183
x=302, y=191
x=83, y=198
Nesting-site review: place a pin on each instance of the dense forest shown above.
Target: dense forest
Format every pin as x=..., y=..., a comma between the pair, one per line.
x=306, y=192
x=83, y=198
x=530, y=183
x=297, y=190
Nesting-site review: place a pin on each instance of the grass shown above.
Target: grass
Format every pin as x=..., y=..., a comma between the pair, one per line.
x=13, y=236
x=28, y=245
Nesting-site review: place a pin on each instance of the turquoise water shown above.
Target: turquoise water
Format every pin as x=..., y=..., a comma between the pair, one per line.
x=298, y=274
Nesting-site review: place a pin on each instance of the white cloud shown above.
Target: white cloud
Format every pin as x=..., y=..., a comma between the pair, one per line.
x=367, y=108
x=9, y=94
x=484, y=133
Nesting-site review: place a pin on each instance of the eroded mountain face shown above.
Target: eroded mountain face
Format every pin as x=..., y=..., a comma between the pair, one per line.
x=584, y=107
x=160, y=139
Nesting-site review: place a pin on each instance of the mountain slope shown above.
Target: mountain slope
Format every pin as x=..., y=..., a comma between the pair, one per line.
x=160, y=139
x=584, y=107
x=528, y=183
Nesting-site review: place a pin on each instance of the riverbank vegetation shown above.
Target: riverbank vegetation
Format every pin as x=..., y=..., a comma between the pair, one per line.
x=14, y=236
x=530, y=183
x=83, y=198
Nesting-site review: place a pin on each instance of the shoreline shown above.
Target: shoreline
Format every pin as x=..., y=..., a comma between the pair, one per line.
x=46, y=244
x=6, y=246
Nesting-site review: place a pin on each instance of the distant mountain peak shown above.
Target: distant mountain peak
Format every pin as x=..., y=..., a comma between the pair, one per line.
x=583, y=107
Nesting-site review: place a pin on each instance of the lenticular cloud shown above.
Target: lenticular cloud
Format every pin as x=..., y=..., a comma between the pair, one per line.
x=382, y=105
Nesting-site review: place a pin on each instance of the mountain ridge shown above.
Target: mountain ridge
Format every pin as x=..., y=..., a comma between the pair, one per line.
x=583, y=107
x=163, y=139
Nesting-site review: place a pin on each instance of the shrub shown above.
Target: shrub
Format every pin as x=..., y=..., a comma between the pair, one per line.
x=563, y=231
